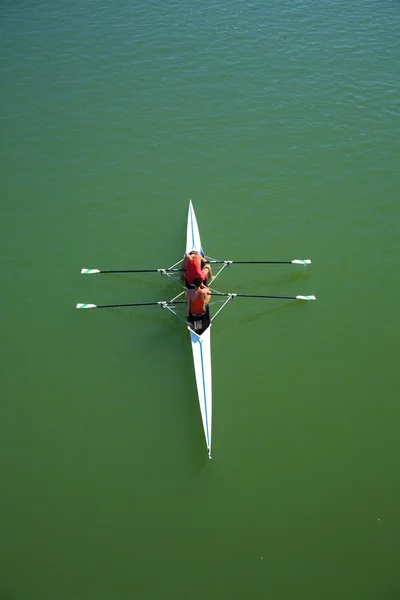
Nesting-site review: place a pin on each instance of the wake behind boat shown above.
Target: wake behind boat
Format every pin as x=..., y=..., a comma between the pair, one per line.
x=199, y=326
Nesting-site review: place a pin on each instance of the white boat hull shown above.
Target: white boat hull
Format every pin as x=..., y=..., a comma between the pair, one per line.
x=201, y=348
x=193, y=241
x=201, y=344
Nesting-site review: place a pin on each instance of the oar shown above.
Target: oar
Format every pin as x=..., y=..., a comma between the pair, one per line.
x=260, y=296
x=93, y=271
x=296, y=261
x=121, y=305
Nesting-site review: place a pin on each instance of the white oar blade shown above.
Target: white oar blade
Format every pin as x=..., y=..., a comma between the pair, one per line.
x=89, y=271
x=86, y=306
x=305, y=298
x=299, y=261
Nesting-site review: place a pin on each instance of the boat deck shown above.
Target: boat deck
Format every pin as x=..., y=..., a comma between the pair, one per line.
x=199, y=323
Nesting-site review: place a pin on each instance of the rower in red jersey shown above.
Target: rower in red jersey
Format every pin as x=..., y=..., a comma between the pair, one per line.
x=195, y=265
x=197, y=299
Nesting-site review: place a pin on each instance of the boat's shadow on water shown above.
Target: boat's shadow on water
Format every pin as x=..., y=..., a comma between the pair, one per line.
x=294, y=277
x=254, y=316
x=161, y=340
x=187, y=403
x=171, y=344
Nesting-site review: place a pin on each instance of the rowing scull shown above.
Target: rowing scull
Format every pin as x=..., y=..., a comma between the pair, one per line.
x=200, y=332
x=199, y=327
x=201, y=342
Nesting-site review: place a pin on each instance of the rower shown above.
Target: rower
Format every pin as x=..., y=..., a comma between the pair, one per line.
x=195, y=265
x=197, y=299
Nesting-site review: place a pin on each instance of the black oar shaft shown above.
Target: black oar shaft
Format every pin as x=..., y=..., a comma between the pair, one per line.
x=252, y=262
x=138, y=304
x=139, y=270
x=119, y=305
x=254, y=296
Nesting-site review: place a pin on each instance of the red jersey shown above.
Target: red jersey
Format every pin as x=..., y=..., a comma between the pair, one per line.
x=193, y=268
x=198, y=305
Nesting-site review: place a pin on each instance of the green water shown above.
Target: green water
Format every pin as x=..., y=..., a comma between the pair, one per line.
x=281, y=121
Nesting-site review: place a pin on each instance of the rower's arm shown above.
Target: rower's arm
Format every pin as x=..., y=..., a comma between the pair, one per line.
x=187, y=303
x=183, y=269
